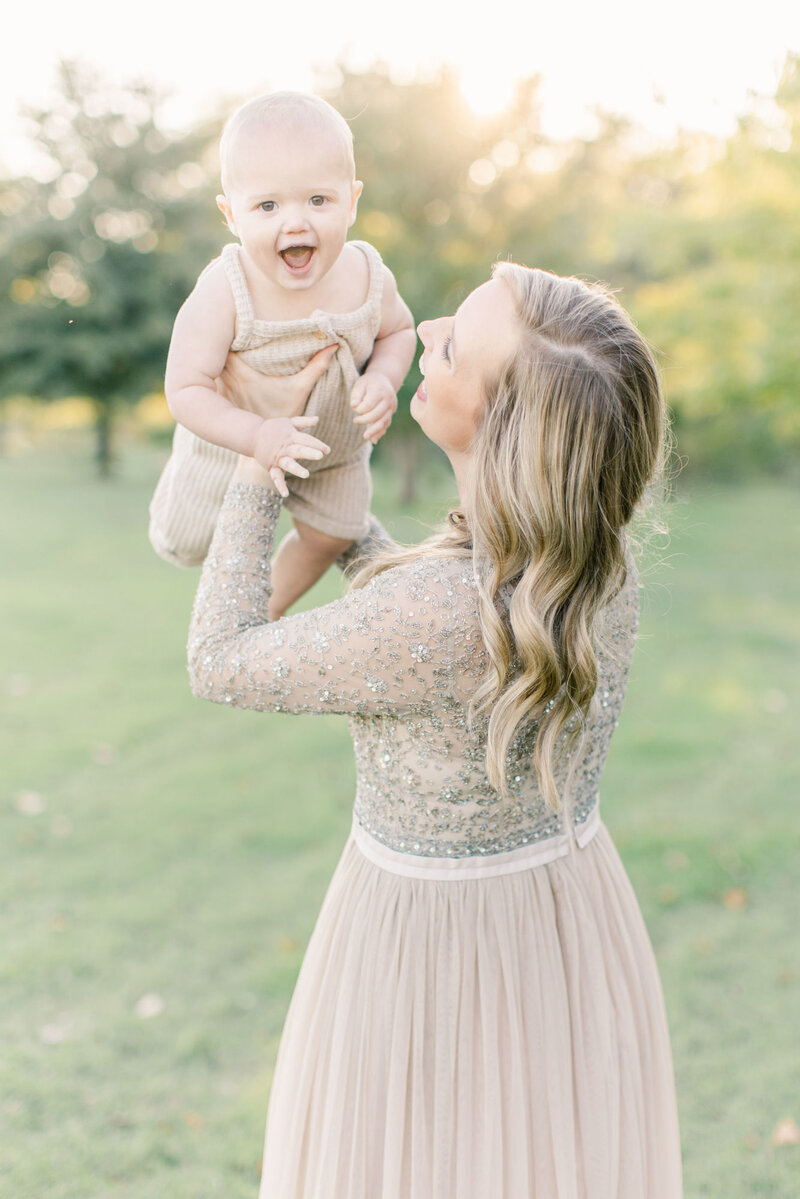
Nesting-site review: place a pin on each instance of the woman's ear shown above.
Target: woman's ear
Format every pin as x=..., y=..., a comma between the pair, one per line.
x=225, y=209
x=358, y=188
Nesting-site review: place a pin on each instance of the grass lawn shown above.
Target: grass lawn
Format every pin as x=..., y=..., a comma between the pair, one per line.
x=162, y=860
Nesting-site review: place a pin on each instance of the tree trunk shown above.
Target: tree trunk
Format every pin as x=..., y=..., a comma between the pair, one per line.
x=103, y=456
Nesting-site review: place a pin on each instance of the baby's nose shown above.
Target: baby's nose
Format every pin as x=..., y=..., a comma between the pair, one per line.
x=294, y=219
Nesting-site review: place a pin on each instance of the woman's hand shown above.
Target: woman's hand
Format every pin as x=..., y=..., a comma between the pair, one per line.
x=272, y=396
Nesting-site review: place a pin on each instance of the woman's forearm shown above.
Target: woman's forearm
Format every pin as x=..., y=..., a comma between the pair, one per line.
x=234, y=589
x=250, y=471
x=360, y=654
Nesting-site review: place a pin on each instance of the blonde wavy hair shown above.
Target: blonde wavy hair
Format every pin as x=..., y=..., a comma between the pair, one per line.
x=572, y=433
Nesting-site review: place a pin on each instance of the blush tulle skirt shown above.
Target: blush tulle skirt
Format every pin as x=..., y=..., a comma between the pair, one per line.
x=487, y=1038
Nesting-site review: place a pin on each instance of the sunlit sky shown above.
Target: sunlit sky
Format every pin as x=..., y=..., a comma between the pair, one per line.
x=690, y=63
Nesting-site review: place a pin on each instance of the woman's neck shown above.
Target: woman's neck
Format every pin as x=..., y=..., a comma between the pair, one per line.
x=461, y=464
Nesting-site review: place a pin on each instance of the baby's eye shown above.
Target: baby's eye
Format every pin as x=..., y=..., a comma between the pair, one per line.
x=445, y=349
x=317, y=201
x=267, y=206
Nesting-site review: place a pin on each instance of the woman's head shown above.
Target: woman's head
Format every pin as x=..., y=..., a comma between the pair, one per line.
x=464, y=355
x=547, y=400
x=547, y=388
x=576, y=417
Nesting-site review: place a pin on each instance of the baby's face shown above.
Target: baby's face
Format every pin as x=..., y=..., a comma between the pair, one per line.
x=291, y=199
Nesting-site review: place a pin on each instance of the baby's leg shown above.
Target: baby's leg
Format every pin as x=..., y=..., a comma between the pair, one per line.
x=303, y=557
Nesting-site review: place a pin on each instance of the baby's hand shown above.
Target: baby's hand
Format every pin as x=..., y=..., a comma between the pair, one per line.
x=280, y=442
x=374, y=400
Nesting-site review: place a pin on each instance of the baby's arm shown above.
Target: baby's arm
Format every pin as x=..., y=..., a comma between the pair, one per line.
x=201, y=338
x=374, y=397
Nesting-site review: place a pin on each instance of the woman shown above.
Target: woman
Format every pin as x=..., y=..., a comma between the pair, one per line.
x=479, y=1011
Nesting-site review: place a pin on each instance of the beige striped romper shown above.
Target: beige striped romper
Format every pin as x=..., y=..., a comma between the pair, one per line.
x=335, y=497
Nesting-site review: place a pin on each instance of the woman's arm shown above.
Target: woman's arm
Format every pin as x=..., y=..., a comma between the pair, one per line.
x=388, y=647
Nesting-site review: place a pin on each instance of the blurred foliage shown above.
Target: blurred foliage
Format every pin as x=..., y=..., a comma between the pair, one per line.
x=701, y=239
x=99, y=255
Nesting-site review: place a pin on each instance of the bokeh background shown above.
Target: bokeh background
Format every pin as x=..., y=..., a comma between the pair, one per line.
x=163, y=860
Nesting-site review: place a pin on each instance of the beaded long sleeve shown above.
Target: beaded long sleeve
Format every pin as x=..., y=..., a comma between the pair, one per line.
x=400, y=657
x=389, y=646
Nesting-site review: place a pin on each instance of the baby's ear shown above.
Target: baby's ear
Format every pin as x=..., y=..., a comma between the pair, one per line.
x=225, y=209
x=358, y=188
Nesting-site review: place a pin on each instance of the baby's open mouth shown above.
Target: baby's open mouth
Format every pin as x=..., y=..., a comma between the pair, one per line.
x=297, y=257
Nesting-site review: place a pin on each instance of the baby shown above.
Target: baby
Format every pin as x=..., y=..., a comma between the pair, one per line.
x=292, y=286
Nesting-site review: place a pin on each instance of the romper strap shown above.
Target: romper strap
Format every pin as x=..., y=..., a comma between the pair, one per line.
x=375, y=264
x=245, y=314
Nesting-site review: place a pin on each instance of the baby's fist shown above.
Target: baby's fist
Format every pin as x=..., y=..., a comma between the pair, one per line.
x=374, y=401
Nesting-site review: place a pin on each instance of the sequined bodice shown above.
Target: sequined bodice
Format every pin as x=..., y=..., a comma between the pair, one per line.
x=400, y=657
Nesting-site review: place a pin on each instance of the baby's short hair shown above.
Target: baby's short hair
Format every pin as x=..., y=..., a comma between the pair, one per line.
x=299, y=110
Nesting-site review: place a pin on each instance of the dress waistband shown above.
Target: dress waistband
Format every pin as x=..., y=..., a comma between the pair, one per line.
x=486, y=866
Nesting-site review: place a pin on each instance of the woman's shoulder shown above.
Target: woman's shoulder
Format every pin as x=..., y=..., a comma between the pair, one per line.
x=429, y=605
x=438, y=572
x=432, y=591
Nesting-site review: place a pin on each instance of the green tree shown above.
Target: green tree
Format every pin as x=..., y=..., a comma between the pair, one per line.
x=701, y=239
x=724, y=306
x=99, y=258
